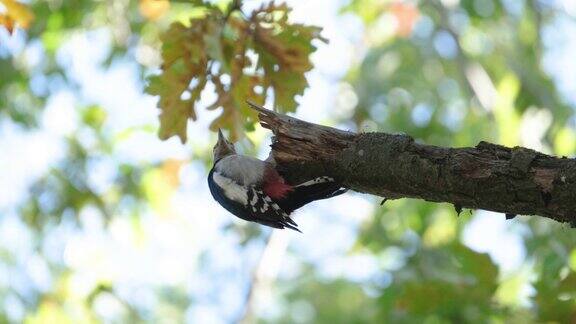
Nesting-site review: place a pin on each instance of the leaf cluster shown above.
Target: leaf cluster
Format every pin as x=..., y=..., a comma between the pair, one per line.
x=235, y=56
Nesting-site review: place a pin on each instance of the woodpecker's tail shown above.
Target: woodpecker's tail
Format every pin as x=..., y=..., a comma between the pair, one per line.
x=309, y=191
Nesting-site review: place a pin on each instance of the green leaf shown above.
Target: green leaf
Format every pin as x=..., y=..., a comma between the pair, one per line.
x=284, y=55
x=215, y=49
x=287, y=85
x=182, y=79
x=212, y=40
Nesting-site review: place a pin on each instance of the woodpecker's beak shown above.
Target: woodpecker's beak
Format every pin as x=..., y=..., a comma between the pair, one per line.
x=221, y=138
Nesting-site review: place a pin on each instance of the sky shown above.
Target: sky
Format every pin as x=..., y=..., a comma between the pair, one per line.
x=169, y=252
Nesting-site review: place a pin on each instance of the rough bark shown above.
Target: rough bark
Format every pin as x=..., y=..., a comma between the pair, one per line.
x=489, y=176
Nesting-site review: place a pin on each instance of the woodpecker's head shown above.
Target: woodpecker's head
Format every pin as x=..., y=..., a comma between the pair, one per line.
x=222, y=147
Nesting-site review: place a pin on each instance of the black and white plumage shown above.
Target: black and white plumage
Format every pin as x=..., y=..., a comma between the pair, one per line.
x=254, y=190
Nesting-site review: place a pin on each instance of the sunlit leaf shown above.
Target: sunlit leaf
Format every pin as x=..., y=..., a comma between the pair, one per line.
x=505, y=112
x=215, y=49
x=213, y=44
x=182, y=80
x=368, y=10
x=284, y=54
x=159, y=185
x=565, y=142
x=153, y=9
x=7, y=22
x=573, y=260
x=16, y=12
x=94, y=116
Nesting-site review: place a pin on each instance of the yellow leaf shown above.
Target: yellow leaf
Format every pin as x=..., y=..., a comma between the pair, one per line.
x=7, y=22
x=153, y=9
x=18, y=12
x=171, y=169
x=158, y=191
x=160, y=184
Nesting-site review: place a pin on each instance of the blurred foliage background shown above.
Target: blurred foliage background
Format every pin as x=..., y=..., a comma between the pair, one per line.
x=102, y=221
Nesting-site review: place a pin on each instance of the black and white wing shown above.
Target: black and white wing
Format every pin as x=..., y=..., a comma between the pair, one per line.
x=248, y=202
x=309, y=191
x=266, y=211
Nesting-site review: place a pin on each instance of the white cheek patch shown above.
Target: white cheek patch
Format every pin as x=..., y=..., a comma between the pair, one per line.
x=232, y=190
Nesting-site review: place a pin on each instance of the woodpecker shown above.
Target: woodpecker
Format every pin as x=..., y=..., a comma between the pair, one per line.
x=253, y=189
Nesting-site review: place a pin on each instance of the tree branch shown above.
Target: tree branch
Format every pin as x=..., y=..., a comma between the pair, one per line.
x=489, y=176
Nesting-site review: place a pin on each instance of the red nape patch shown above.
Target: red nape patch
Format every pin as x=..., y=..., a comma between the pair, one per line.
x=277, y=189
